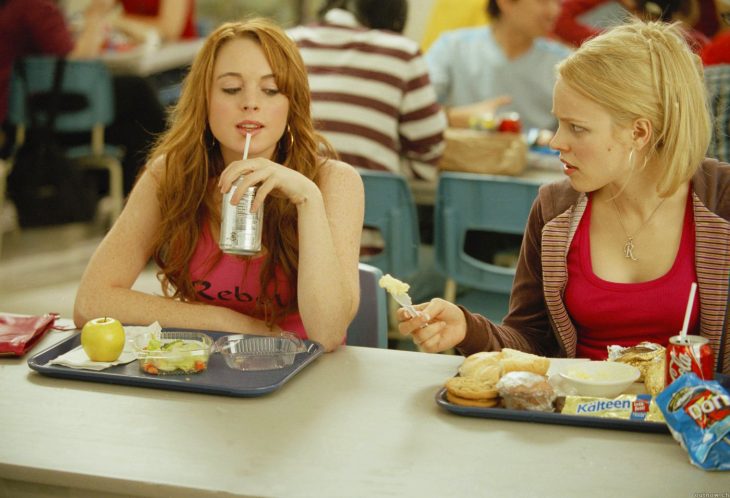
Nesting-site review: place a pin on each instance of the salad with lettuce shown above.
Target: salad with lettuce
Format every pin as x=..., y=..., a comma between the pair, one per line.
x=178, y=356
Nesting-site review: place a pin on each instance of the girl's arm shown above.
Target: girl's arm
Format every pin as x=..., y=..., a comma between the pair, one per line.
x=330, y=226
x=330, y=219
x=106, y=286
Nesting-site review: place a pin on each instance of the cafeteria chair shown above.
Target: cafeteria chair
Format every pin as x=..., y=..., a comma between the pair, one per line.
x=89, y=82
x=476, y=202
x=369, y=328
x=717, y=81
x=389, y=208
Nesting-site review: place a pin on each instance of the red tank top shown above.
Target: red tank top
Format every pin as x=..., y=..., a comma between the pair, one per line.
x=233, y=281
x=607, y=313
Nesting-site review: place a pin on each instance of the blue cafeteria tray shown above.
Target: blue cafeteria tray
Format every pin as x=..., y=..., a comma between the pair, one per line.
x=218, y=378
x=560, y=418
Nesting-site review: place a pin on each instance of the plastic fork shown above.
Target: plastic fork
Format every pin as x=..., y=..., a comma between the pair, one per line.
x=405, y=301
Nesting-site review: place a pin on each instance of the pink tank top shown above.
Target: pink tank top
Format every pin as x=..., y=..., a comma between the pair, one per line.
x=233, y=281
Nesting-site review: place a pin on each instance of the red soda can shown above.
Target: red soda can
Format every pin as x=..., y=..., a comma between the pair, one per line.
x=693, y=354
x=509, y=122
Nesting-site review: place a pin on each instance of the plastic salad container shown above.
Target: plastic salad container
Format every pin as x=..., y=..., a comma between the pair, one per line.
x=254, y=352
x=173, y=353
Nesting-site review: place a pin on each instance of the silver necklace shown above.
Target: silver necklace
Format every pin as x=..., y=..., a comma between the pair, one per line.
x=629, y=245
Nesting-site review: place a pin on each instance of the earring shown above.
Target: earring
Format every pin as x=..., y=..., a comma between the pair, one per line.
x=631, y=161
x=210, y=140
x=291, y=135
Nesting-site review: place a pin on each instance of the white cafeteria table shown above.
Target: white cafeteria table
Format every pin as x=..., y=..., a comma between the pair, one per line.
x=356, y=422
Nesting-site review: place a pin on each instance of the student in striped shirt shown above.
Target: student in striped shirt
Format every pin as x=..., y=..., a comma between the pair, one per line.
x=610, y=253
x=371, y=93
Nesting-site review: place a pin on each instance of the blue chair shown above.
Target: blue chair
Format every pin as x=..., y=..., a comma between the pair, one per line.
x=90, y=80
x=390, y=209
x=717, y=81
x=370, y=326
x=466, y=202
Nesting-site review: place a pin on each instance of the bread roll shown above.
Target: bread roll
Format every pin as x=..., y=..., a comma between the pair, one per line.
x=518, y=361
x=484, y=365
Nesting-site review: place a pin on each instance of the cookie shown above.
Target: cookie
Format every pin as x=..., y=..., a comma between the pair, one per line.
x=471, y=388
x=476, y=403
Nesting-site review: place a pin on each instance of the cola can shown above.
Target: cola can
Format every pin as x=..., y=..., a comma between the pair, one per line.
x=509, y=122
x=240, y=228
x=691, y=354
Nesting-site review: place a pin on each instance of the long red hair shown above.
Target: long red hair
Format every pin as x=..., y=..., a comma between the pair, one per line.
x=193, y=158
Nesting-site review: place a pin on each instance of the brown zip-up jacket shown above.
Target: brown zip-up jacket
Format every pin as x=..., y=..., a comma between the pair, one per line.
x=538, y=321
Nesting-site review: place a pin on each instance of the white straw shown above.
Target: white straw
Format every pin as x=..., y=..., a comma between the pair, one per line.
x=690, y=303
x=245, y=147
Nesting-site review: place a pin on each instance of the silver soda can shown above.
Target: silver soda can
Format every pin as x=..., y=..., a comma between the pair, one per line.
x=240, y=228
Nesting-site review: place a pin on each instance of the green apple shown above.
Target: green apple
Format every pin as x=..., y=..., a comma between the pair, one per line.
x=103, y=339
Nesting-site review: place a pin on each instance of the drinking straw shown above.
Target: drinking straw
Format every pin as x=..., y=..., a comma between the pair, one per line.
x=245, y=147
x=683, y=332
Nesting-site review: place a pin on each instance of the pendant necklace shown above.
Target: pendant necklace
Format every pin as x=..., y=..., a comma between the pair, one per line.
x=629, y=245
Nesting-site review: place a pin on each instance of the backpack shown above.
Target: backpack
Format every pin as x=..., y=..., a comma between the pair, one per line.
x=46, y=186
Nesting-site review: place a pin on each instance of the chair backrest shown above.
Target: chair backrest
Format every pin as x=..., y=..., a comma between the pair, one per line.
x=370, y=326
x=717, y=80
x=390, y=208
x=89, y=79
x=466, y=202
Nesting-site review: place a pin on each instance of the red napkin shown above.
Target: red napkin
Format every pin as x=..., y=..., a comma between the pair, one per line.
x=18, y=334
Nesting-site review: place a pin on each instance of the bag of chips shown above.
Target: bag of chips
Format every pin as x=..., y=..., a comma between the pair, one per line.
x=698, y=415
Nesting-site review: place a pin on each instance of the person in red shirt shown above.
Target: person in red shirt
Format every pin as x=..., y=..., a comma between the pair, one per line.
x=718, y=50
x=699, y=16
x=171, y=19
x=38, y=27
x=609, y=254
x=34, y=27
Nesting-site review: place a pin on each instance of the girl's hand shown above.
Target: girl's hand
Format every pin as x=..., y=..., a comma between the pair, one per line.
x=441, y=325
x=273, y=178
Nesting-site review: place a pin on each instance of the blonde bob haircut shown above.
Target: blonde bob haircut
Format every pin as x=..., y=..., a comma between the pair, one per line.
x=193, y=161
x=647, y=70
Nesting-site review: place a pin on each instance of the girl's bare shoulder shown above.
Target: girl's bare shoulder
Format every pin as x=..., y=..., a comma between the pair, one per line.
x=338, y=172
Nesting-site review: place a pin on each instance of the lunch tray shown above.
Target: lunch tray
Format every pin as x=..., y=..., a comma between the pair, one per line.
x=218, y=378
x=559, y=418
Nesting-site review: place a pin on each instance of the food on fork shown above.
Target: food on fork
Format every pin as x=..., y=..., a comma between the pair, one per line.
x=392, y=285
x=399, y=291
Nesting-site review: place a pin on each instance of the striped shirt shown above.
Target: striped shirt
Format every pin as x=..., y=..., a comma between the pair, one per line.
x=538, y=320
x=371, y=95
